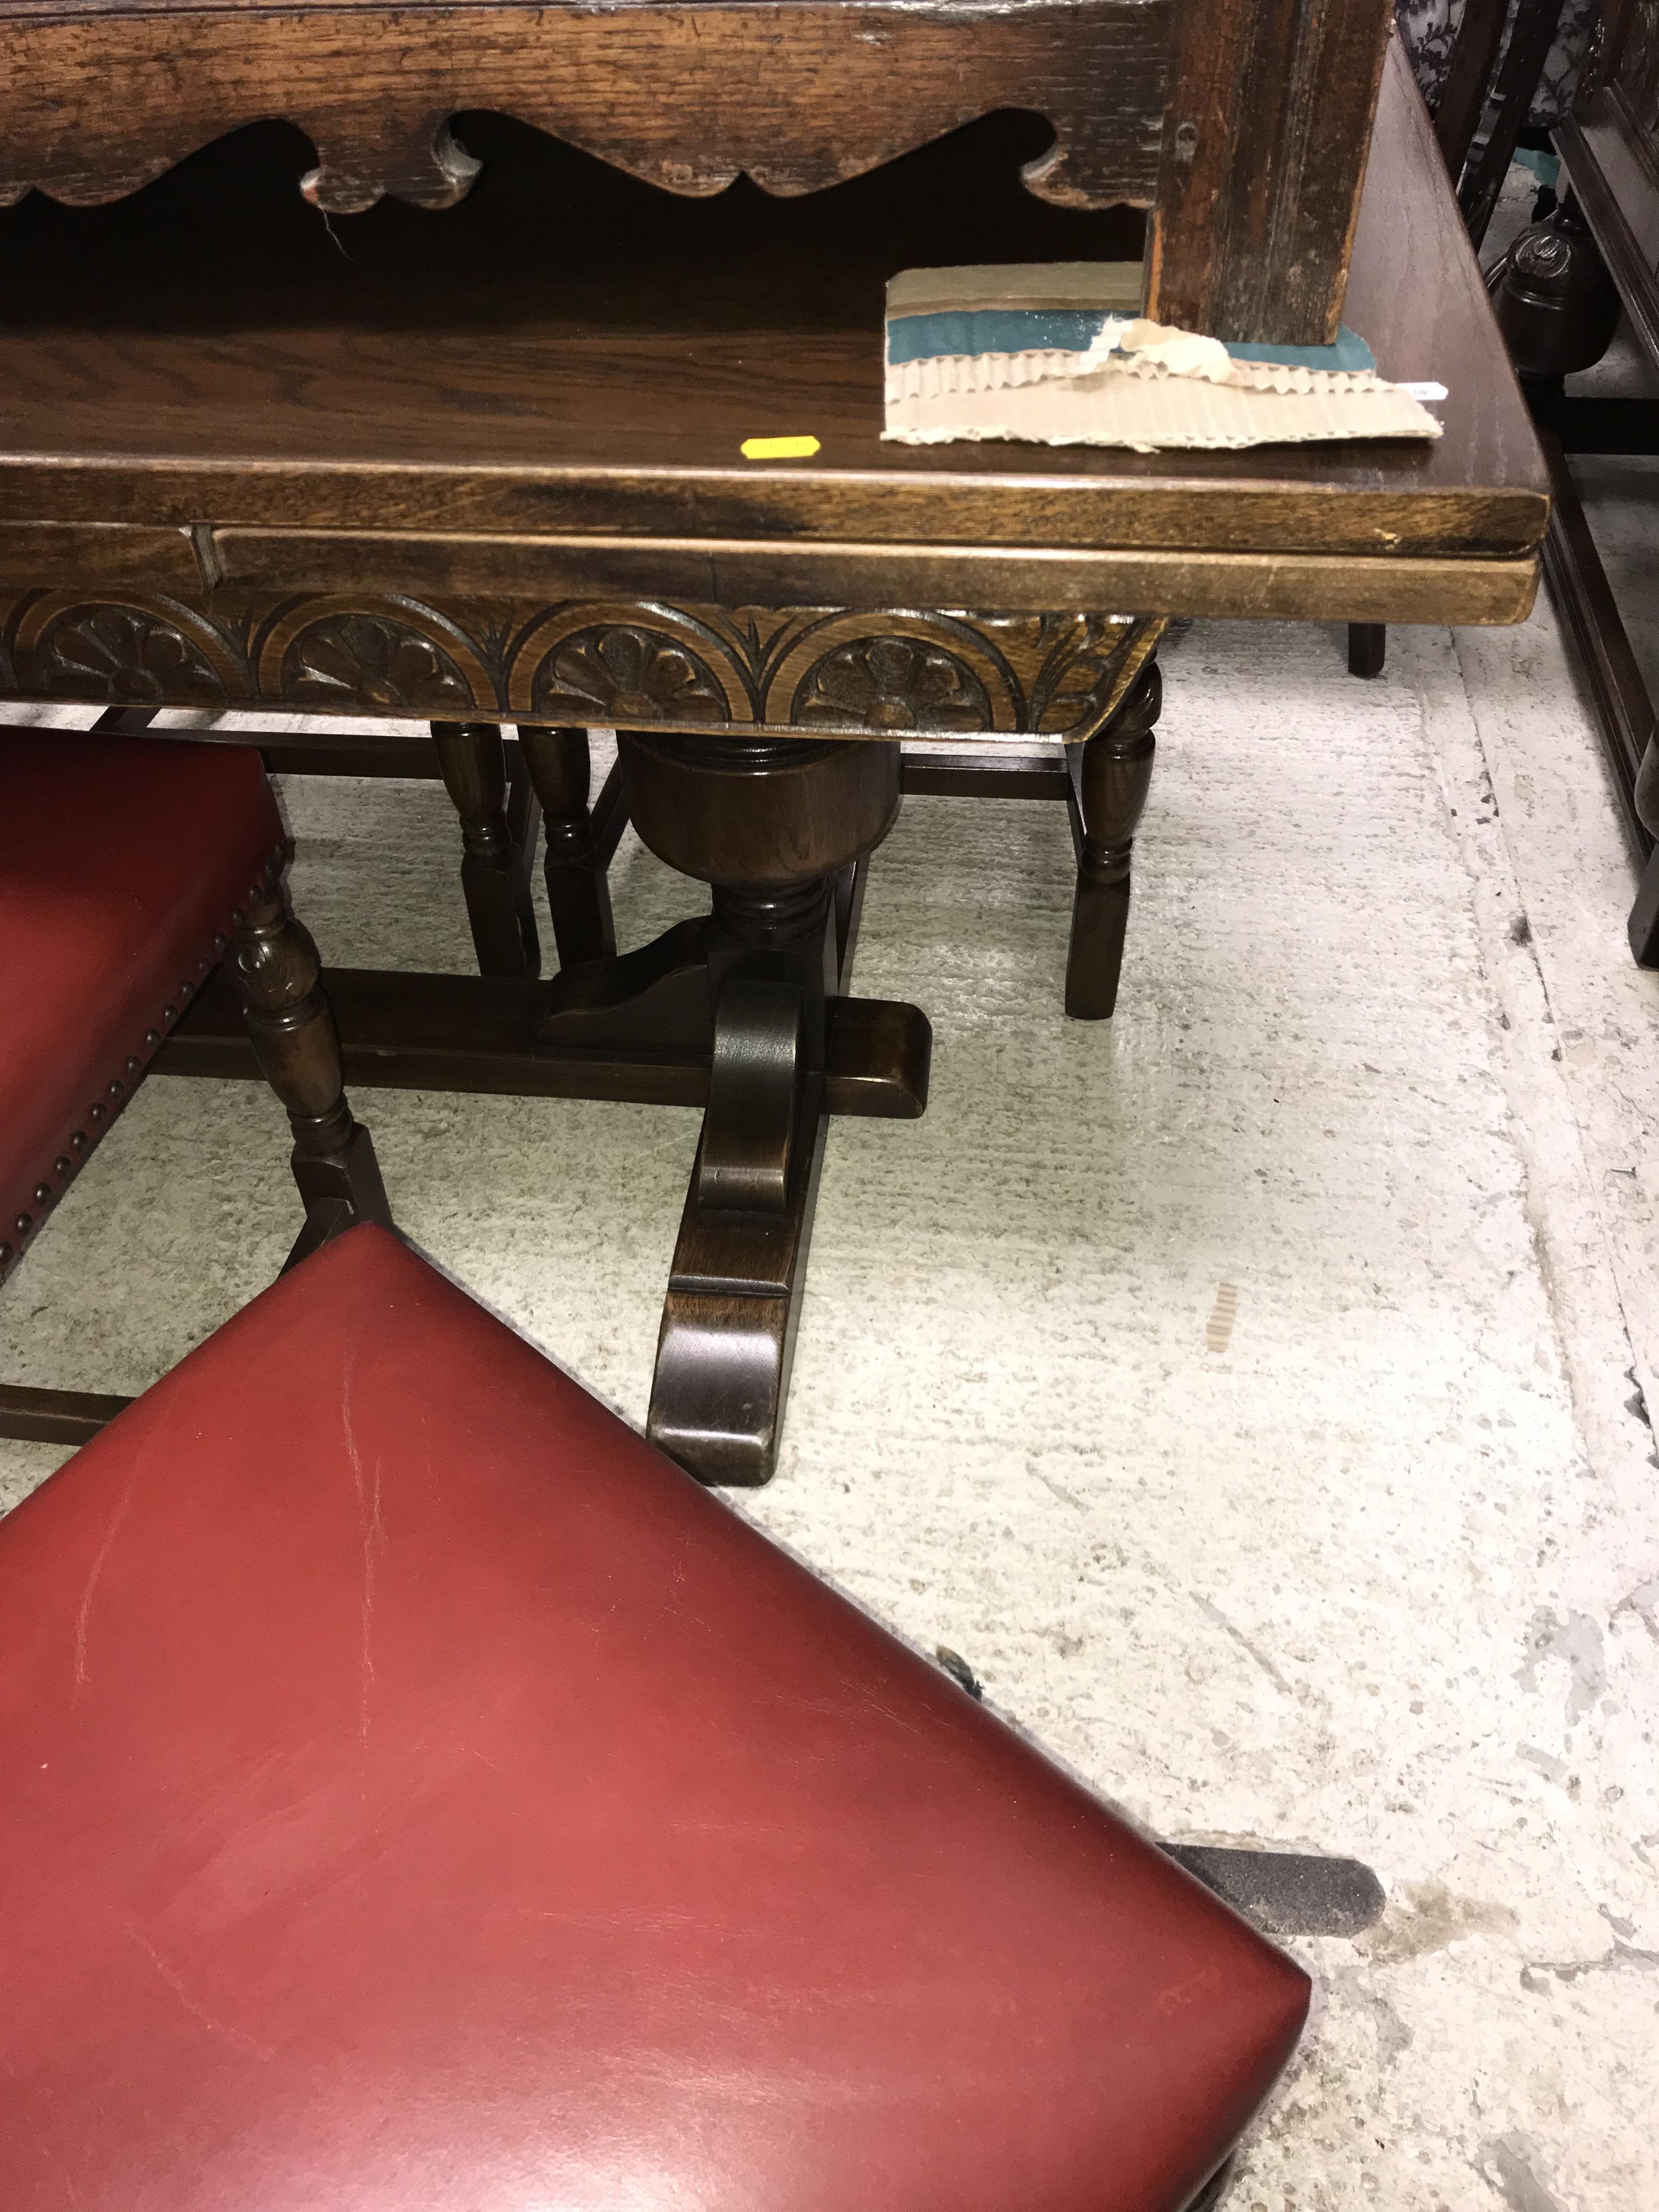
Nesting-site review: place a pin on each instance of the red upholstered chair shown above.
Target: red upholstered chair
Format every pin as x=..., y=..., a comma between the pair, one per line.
x=129, y=868
x=416, y=1791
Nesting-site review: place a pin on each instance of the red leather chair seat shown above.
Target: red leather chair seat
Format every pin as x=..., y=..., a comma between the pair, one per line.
x=121, y=859
x=416, y=1792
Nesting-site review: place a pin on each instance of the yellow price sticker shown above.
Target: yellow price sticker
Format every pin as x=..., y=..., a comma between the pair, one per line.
x=779, y=449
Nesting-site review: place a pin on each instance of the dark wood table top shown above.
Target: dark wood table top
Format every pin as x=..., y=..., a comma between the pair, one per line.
x=557, y=374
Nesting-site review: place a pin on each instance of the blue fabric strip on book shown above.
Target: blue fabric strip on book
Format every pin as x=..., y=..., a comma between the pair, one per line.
x=1074, y=330
x=1350, y=353
x=992, y=330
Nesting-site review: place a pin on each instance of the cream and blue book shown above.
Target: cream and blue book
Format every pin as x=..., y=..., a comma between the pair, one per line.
x=1058, y=352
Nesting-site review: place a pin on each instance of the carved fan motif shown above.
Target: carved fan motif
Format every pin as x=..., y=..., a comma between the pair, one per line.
x=640, y=663
x=371, y=660
x=1075, y=679
x=127, y=656
x=630, y=675
x=896, y=683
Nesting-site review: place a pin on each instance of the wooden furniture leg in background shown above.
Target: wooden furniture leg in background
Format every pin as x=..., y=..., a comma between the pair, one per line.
x=484, y=771
x=1558, y=306
x=495, y=861
x=1642, y=928
x=578, y=889
x=274, y=963
x=1110, y=776
x=1367, y=648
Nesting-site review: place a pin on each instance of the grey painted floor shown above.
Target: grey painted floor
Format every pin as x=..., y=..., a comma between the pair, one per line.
x=1252, y=1389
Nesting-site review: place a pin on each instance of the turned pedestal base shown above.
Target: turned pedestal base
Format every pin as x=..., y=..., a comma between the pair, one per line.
x=781, y=831
x=742, y=1012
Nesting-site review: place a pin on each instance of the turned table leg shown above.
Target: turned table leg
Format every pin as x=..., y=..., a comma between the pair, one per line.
x=472, y=761
x=578, y=887
x=275, y=969
x=1111, y=775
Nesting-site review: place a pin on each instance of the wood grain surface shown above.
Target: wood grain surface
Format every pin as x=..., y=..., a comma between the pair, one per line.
x=1246, y=120
x=1611, y=155
x=1264, y=148
x=546, y=390
x=617, y=663
x=796, y=94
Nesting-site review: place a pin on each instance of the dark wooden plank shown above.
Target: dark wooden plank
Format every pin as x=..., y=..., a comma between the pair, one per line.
x=996, y=772
x=396, y=757
x=610, y=814
x=1642, y=927
x=1531, y=36
x=445, y=656
x=411, y=1031
x=1606, y=425
x=1603, y=657
x=107, y=554
x=792, y=93
x=1611, y=164
x=267, y=567
x=1417, y=294
x=1625, y=54
x=1264, y=149
x=55, y=1416
x=436, y=383
x=322, y=752
x=1468, y=80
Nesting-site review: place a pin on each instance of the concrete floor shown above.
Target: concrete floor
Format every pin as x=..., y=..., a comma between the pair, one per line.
x=1253, y=1389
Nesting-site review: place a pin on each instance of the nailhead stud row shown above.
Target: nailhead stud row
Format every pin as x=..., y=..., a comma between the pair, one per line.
x=79, y=1143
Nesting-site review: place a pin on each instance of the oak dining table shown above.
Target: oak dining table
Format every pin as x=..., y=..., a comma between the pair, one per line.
x=483, y=468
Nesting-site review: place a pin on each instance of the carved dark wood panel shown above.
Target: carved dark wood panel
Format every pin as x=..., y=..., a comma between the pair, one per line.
x=372, y=660
x=796, y=94
x=605, y=672
x=132, y=655
x=1245, y=122
x=631, y=664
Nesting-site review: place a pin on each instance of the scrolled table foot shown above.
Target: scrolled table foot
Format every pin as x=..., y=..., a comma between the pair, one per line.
x=729, y=1318
x=779, y=831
